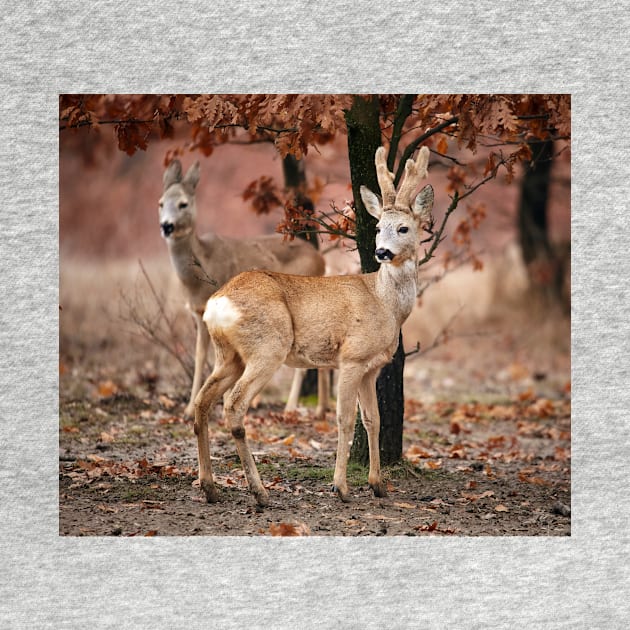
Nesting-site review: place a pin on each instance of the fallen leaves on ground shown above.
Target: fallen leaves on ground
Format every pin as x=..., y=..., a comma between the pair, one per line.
x=534, y=431
x=95, y=466
x=289, y=529
x=107, y=388
x=433, y=527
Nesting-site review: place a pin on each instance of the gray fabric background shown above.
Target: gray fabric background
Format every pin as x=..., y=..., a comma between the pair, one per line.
x=48, y=581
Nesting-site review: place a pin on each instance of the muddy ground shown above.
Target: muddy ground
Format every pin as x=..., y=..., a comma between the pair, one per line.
x=128, y=465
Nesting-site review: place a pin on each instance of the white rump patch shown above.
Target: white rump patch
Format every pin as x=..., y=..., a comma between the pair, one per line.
x=220, y=312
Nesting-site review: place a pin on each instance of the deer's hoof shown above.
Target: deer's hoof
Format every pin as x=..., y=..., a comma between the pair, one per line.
x=379, y=489
x=262, y=499
x=210, y=490
x=343, y=494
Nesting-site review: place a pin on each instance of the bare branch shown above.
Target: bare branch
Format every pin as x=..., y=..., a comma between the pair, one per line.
x=414, y=351
x=443, y=336
x=438, y=236
x=402, y=113
x=158, y=327
x=460, y=258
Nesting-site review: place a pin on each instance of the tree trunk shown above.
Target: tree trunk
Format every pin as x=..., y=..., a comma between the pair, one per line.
x=546, y=273
x=295, y=180
x=364, y=137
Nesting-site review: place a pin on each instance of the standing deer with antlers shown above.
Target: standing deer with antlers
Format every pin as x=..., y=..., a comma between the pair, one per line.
x=260, y=320
x=205, y=263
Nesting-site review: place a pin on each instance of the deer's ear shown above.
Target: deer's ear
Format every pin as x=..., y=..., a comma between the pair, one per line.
x=423, y=204
x=192, y=177
x=371, y=202
x=172, y=174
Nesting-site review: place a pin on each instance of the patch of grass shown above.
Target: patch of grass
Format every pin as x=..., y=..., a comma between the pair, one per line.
x=405, y=470
x=73, y=412
x=312, y=473
x=266, y=469
x=134, y=493
x=357, y=475
x=309, y=401
x=298, y=472
x=179, y=433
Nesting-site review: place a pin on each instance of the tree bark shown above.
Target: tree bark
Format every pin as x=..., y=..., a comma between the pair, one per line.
x=545, y=269
x=295, y=180
x=364, y=137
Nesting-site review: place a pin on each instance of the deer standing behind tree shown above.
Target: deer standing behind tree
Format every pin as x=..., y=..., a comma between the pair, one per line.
x=260, y=320
x=205, y=263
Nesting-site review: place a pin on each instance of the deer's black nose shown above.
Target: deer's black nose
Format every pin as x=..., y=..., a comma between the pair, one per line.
x=167, y=228
x=383, y=254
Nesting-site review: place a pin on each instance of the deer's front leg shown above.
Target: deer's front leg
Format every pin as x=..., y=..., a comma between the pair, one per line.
x=201, y=351
x=372, y=421
x=349, y=379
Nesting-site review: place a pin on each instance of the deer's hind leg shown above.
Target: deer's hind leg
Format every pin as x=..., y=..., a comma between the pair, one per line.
x=256, y=375
x=296, y=386
x=323, y=392
x=223, y=377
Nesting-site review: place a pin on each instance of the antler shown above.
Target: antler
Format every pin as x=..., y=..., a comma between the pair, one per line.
x=414, y=172
x=385, y=178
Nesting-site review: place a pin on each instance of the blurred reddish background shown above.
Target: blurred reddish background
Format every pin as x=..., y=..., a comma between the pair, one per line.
x=108, y=203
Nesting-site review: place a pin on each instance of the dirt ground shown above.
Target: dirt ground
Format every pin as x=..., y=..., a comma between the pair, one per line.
x=487, y=438
x=127, y=467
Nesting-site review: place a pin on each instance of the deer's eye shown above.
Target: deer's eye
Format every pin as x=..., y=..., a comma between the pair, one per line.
x=403, y=230
x=183, y=205
x=378, y=230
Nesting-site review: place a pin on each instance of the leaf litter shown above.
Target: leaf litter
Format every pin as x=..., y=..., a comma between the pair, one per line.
x=128, y=467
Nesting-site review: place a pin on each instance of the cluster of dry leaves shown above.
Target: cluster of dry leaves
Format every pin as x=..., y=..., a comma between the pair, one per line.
x=296, y=121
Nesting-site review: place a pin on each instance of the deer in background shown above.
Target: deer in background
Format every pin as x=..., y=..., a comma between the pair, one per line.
x=205, y=263
x=262, y=319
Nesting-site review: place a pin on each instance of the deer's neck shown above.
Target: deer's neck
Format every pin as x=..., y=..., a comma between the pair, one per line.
x=396, y=287
x=186, y=254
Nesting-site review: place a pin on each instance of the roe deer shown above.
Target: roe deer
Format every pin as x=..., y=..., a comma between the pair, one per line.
x=205, y=263
x=260, y=320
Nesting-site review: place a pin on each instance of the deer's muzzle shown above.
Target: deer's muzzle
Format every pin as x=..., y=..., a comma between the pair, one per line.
x=167, y=228
x=384, y=255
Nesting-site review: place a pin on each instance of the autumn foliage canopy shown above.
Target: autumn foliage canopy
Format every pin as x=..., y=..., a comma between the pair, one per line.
x=504, y=126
